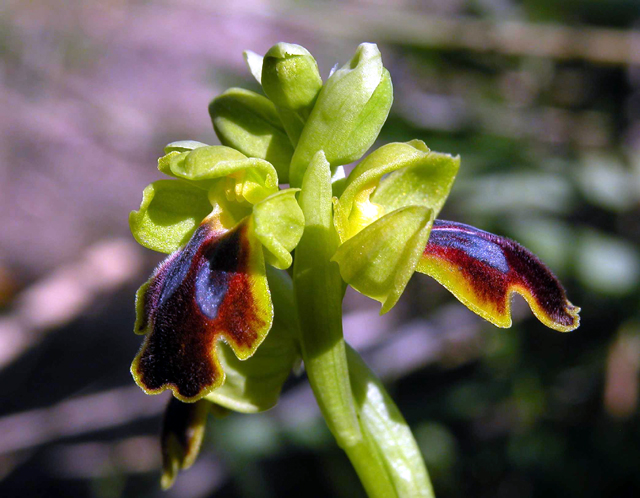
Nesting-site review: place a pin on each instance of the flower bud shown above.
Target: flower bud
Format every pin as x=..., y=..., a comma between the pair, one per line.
x=348, y=114
x=182, y=433
x=290, y=77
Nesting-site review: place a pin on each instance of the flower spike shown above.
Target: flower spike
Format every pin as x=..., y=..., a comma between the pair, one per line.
x=483, y=270
x=214, y=289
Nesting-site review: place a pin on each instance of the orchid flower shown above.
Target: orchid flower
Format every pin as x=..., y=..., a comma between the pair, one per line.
x=224, y=324
x=385, y=216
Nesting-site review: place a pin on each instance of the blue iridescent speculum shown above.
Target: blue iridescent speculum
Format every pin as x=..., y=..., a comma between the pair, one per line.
x=483, y=270
x=224, y=323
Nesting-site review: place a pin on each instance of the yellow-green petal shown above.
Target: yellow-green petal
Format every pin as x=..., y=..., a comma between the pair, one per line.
x=424, y=181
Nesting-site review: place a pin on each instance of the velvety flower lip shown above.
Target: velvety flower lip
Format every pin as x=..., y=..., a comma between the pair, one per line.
x=213, y=289
x=483, y=270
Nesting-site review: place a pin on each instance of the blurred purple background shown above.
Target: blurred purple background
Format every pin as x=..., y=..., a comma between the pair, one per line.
x=543, y=103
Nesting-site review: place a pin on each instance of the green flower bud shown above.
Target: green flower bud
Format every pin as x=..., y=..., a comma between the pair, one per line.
x=249, y=123
x=290, y=77
x=348, y=115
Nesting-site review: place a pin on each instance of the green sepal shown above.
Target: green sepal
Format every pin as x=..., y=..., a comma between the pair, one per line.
x=249, y=179
x=387, y=433
x=291, y=78
x=348, y=114
x=254, y=385
x=416, y=176
x=425, y=181
x=170, y=212
x=254, y=63
x=279, y=224
x=250, y=123
x=379, y=260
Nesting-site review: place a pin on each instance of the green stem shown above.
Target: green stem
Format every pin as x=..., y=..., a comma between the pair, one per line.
x=318, y=289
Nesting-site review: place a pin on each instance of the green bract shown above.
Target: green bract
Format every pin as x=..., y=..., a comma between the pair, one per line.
x=348, y=115
x=387, y=432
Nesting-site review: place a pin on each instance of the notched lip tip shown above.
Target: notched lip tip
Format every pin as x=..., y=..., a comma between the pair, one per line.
x=174, y=388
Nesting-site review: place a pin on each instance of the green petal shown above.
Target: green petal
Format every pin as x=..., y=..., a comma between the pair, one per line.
x=379, y=260
x=170, y=212
x=250, y=123
x=279, y=226
x=348, y=115
x=254, y=385
x=249, y=179
x=416, y=176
